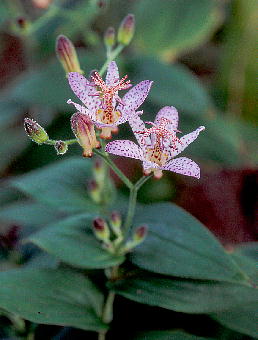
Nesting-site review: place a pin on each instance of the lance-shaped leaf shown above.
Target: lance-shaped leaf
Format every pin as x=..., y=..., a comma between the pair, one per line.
x=188, y=296
x=179, y=245
x=61, y=185
x=72, y=241
x=52, y=296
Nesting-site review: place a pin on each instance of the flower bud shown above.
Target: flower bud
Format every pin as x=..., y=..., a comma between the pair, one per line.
x=138, y=237
x=126, y=30
x=99, y=172
x=101, y=230
x=109, y=37
x=61, y=147
x=67, y=55
x=35, y=131
x=140, y=234
x=22, y=23
x=94, y=191
x=116, y=222
x=83, y=129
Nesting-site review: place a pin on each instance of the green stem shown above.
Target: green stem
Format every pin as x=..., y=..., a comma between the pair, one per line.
x=111, y=57
x=68, y=142
x=117, y=171
x=132, y=203
x=107, y=315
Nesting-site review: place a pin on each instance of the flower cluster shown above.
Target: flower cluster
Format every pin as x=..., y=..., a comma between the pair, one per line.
x=157, y=146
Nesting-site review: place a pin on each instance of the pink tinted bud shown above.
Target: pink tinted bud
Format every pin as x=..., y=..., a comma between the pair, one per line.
x=35, y=131
x=101, y=229
x=116, y=219
x=84, y=131
x=126, y=30
x=61, y=147
x=22, y=22
x=67, y=55
x=109, y=37
x=140, y=233
x=94, y=191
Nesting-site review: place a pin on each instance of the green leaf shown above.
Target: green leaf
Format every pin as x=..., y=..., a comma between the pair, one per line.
x=28, y=213
x=242, y=319
x=229, y=140
x=173, y=85
x=9, y=112
x=73, y=242
x=51, y=81
x=167, y=335
x=12, y=143
x=188, y=296
x=52, y=296
x=62, y=185
x=180, y=25
x=179, y=245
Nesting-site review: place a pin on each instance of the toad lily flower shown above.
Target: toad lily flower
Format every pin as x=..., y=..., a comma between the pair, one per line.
x=158, y=145
x=102, y=103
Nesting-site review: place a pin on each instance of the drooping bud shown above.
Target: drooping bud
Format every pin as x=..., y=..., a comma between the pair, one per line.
x=116, y=222
x=35, y=131
x=61, y=147
x=109, y=37
x=101, y=230
x=94, y=191
x=126, y=30
x=84, y=131
x=67, y=55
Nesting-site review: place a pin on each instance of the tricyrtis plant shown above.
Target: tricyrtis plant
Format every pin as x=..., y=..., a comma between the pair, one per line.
x=172, y=254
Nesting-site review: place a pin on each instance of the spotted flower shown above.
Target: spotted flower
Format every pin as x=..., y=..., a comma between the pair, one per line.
x=158, y=145
x=102, y=102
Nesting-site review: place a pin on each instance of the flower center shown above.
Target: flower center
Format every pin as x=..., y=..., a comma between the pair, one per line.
x=156, y=155
x=109, y=97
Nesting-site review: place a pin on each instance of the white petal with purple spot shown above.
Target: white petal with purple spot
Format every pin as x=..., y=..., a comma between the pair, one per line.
x=112, y=76
x=125, y=148
x=170, y=113
x=185, y=141
x=135, y=96
x=183, y=166
x=82, y=109
x=84, y=90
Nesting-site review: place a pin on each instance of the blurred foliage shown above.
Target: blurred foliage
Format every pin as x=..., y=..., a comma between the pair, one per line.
x=191, y=273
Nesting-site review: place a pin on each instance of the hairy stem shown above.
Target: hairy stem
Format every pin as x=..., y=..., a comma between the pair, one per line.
x=68, y=142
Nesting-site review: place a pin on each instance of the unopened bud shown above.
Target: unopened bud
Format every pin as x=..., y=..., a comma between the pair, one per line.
x=84, y=131
x=35, y=131
x=94, y=191
x=67, y=55
x=61, y=147
x=101, y=230
x=126, y=30
x=109, y=37
x=23, y=24
x=99, y=172
x=138, y=237
x=140, y=234
x=116, y=222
